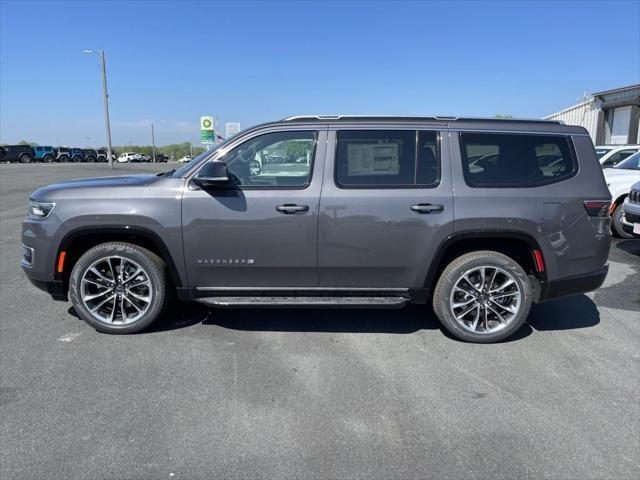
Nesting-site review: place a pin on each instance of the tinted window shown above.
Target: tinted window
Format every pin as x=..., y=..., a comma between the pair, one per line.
x=515, y=160
x=630, y=163
x=387, y=158
x=617, y=157
x=282, y=159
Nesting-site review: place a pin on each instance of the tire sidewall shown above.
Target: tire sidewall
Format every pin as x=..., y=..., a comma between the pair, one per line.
x=616, y=223
x=451, y=275
x=140, y=256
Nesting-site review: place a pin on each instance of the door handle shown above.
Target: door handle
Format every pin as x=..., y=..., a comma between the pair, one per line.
x=289, y=208
x=427, y=208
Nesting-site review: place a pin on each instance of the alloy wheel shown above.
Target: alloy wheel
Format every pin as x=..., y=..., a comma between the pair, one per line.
x=485, y=299
x=116, y=290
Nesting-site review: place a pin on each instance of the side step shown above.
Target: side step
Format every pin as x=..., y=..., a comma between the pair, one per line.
x=301, y=302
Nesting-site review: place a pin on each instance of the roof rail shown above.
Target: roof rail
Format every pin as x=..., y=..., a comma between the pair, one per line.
x=414, y=118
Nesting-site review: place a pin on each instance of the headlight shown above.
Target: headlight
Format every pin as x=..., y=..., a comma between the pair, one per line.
x=40, y=210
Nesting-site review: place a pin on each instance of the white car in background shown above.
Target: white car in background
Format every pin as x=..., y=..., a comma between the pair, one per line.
x=185, y=159
x=619, y=180
x=127, y=157
x=610, y=155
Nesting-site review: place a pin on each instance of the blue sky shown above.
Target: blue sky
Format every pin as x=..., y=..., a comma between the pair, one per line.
x=251, y=62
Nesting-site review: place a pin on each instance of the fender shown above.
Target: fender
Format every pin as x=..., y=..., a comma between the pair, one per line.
x=476, y=234
x=129, y=231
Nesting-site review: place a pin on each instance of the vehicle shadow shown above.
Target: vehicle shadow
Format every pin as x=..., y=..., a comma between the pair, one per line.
x=407, y=320
x=629, y=246
x=569, y=313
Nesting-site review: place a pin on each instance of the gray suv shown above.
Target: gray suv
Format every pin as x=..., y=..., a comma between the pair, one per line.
x=479, y=217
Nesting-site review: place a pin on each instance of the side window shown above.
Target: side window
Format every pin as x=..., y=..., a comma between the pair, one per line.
x=515, y=160
x=387, y=158
x=281, y=159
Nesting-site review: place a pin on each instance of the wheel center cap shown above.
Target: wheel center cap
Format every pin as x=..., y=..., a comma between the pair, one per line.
x=119, y=289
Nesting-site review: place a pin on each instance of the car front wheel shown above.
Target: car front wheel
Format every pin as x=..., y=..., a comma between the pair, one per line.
x=482, y=297
x=616, y=223
x=25, y=159
x=119, y=287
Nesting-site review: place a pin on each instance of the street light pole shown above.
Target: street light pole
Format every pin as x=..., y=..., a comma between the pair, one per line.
x=105, y=96
x=153, y=144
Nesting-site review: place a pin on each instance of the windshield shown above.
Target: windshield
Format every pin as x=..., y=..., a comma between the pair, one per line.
x=630, y=163
x=601, y=152
x=187, y=166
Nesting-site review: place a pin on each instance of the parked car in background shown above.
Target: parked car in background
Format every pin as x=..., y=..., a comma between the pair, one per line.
x=141, y=157
x=44, y=154
x=102, y=155
x=160, y=158
x=126, y=157
x=619, y=180
x=90, y=155
x=63, y=154
x=76, y=154
x=611, y=155
x=370, y=221
x=17, y=153
x=631, y=212
x=185, y=159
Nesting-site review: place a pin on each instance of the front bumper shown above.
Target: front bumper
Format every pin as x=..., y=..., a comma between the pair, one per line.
x=563, y=287
x=54, y=288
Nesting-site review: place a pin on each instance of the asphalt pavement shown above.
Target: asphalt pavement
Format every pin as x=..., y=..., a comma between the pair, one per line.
x=317, y=394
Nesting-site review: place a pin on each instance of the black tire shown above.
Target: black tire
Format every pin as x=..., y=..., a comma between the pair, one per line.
x=616, y=224
x=90, y=159
x=48, y=159
x=63, y=158
x=76, y=159
x=154, y=267
x=25, y=158
x=453, y=272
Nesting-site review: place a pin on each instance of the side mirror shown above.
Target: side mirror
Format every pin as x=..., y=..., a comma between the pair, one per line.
x=212, y=175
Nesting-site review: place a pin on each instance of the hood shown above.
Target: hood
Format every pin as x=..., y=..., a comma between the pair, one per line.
x=73, y=186
x=620, y=174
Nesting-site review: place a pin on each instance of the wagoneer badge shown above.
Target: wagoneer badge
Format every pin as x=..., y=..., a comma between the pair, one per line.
x=225, y=261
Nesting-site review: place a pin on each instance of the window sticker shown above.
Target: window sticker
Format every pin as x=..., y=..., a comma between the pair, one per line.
x=373, y=159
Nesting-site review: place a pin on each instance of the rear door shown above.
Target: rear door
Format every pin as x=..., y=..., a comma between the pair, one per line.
x=386, y=206
x=263, y=233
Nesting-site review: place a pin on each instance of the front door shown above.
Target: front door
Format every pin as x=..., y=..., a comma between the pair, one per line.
x=262, y=233
x=387, y=204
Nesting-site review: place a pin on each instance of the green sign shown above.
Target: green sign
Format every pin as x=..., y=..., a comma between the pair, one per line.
x=208, y=137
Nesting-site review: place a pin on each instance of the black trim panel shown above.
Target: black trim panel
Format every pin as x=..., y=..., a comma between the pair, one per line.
x=476, y=234
x=129, y=231
x=550, y=290
x=55, y=288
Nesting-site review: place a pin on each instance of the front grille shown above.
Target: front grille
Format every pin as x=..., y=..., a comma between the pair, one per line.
x=634, y=196
x=631, y=217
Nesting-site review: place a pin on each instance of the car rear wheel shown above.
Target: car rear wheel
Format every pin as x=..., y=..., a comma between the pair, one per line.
x=25, y=159
x=616, y=223
x=64, y=158
x=482, y=297
x=90, y=159
x=48, y=159
x=76, y=159
x=119, y=287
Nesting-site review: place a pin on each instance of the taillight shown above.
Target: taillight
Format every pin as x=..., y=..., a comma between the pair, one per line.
x=539, y=260
x=597, y=208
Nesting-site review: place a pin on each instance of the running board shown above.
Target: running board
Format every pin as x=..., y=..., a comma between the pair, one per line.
x=309, y=302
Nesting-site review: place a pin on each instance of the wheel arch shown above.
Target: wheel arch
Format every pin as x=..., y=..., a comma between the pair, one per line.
x=517, y=245
x=78, y=241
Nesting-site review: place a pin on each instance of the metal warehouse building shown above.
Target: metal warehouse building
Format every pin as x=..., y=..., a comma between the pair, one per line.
x=611, y=117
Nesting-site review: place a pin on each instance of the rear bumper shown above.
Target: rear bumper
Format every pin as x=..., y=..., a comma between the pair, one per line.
x=550, y=290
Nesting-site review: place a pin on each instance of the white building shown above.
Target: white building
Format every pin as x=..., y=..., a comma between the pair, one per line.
x=231, y=129
x=611, y=117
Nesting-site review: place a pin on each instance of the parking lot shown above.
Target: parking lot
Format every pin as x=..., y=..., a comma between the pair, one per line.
x=312, y=393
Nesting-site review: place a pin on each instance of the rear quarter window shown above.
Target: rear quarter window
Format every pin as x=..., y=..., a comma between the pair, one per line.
x=515, y=160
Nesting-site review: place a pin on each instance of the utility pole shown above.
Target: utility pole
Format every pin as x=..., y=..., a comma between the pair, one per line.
x=153, y=144
x=105, y=96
